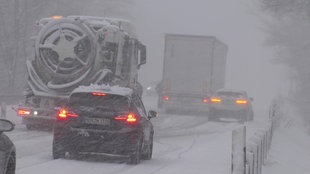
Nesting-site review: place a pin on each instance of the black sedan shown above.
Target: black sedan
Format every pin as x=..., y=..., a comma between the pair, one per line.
x=7, y=149
x=108, y=122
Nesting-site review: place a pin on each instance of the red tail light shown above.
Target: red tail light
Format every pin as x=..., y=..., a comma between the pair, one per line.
x=63, y=114
x=205, y=100
x=99, y=94
x=166, y=98
x=216, y=100
x=130, y=118
x=23, y=112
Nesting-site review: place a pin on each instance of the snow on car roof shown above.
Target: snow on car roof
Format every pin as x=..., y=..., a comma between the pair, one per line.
x=117, y=90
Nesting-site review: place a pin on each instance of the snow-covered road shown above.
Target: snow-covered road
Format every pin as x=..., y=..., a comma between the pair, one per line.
x=182, y=144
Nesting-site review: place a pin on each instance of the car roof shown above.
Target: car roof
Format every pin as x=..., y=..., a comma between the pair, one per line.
x=116, y=90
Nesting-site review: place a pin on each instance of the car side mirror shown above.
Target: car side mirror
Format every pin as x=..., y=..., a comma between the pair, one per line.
x=151, y=114
x=6, y=125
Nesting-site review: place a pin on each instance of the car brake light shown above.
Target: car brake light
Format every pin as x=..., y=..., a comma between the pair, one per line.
x=216, y=100
x=166, y=98
x=64, y=114
x=23, y=112
x=241, y=101
x=56, y=17
x=130, y=118
x=99, y=94
x=205, y=100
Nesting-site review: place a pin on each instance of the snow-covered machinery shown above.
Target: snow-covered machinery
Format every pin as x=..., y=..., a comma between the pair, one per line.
x=78, y=50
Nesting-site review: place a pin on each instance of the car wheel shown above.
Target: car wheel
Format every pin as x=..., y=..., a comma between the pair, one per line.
x=149, y=152
x=74, y=154
x=251, y=116
x=136, y=156
x=244, y=117
x=212, y=114
x=29, y=126
x=58, y=150
x=11, y=164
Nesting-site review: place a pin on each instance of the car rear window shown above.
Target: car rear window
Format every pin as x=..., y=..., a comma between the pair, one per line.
x=108, y=101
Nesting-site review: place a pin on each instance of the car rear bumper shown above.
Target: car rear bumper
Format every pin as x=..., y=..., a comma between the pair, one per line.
x=237, y=113
x=191, y=107
x=97, y=142
x=39, y=120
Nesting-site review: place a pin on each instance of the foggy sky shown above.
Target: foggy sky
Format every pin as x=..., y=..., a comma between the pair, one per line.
x=237, y=23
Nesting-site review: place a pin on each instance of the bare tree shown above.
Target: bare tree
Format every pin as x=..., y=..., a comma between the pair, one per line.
x=289, y=33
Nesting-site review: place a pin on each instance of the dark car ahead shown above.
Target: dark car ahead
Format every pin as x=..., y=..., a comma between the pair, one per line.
x=7, y=149
x=104, y=121
x=232, y=104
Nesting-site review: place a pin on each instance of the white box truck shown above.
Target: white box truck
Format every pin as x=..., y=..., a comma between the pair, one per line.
x=194, y=68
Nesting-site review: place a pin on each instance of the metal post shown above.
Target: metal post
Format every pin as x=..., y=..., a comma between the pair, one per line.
x=3, y=110
x=238, y=154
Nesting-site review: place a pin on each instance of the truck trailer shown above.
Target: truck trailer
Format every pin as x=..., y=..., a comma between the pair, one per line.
x=194, y=67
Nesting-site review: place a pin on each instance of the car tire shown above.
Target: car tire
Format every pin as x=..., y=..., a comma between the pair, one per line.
x=251, y=117
x=212, y=115
x=29, y=126
x=244, y=117
x=136, y=156
x=11, y=164
x=58, y=150
x=149, y=151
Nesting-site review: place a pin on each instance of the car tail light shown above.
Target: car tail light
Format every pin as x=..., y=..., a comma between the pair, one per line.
x=23, y=112
x=166, y=98
x=56, y=17
x=241, y=101
x=216, y=100
x=99, y=94
x=63, y=114
x=130, y=118
x=205, y=100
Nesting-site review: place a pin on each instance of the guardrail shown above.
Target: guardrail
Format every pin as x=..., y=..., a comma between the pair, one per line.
x=257, y=149
x=248, y=157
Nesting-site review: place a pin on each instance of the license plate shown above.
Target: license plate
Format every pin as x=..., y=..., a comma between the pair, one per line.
x=97, y=121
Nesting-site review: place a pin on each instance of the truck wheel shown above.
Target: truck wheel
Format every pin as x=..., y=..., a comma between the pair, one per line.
x=74, y=154
x=58, y=150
